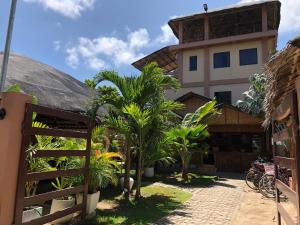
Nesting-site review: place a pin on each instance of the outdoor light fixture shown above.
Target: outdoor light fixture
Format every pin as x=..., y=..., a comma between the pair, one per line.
x=2, y=113
x=205, y=7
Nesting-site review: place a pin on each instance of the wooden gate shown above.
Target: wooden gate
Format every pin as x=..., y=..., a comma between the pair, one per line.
x=28, y=132
x=289, y=135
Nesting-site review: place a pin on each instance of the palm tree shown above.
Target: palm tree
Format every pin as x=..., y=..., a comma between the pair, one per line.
x=140, y=99
x=253, y=98
x=191, y=134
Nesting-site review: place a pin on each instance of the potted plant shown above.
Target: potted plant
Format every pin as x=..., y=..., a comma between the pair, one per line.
x=61, y=183
x=64, y=202
x=158, y=154
x=34, y=165
x=122, y=179
x=101, y=174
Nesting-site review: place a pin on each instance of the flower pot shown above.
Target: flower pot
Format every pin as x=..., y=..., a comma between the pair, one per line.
x=32, y=213
x=131, y=182
x=149, y=172
x=92, y=201
x=58, y=205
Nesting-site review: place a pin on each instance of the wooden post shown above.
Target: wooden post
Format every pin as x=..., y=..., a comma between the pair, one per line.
x=276, y=171
x=297, y=150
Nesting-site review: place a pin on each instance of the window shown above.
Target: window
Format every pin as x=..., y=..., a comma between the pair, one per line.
x=248, y=56
x=193, y=63
x=221, y=60
x=223, y=97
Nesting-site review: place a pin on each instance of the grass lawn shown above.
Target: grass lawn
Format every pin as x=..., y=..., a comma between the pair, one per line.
x=195, y=179
x=156, y=203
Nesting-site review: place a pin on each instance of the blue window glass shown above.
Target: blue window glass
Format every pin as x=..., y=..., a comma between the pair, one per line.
x=248, y=56
x=221, y=60
x=193, y=63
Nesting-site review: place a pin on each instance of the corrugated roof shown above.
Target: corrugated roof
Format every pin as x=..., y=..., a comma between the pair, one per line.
x=52, y=87
x=165, y=58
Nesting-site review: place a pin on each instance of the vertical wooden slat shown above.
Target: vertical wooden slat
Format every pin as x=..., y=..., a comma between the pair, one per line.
x=87, y=166
x=23, y=166
x=276, y=172
x=297, y=153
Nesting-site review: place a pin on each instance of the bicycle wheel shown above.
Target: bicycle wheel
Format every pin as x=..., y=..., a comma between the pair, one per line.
x=267, y=186
x=250, y=179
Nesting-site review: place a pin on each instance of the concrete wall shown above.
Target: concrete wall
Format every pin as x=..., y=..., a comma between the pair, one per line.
x=10, y=146
x=232, y=72
x=193, y=76
x=235, y=70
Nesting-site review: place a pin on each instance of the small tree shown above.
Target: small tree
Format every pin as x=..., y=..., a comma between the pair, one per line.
x=253, y=98
x=190, y=135
x=138, y=110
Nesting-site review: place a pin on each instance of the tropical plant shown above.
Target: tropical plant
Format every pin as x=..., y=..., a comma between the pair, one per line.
x=35, y=165
x=190, y=135
x=102, y=172
x=139, y=111
x=253, y=98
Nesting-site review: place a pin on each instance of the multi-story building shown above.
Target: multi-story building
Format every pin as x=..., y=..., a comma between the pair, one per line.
x=218, y=50
x=216, y=53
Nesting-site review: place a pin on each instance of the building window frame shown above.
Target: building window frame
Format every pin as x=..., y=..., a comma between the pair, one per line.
x=221, y=60
x=248, y=56
x=193, y=63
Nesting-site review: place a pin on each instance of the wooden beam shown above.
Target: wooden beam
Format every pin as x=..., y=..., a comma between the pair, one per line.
x=220, y=41
x=264, y=18
x=206, y=27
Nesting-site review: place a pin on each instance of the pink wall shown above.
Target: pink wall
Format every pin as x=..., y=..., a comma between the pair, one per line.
x=10, y=145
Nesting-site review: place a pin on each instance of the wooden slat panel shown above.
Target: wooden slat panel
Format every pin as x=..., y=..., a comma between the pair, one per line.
x=51, y=217
x=281, y=136
x=233, y=128
x=285, y=215
x=288, y=192
x=53, y=174
x=288, y=163
x=59, y=113
x=57, y=132
x=59, y=153
x=41, y=198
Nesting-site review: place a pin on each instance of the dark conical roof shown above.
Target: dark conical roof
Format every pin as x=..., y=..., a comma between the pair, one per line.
x=52, y=87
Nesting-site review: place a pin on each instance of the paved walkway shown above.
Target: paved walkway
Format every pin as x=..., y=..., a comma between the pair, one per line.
x=214, y=205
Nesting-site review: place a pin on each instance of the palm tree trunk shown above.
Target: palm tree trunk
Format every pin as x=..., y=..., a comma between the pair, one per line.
x=127, y=172
x=139, y=176
x=185, y=167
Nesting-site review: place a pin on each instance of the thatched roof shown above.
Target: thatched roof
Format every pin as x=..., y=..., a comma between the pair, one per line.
x=52, y=87
x=281, y=72
x=165, y=58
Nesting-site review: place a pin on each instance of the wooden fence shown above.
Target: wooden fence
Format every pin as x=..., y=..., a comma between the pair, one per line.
x=289, y=133
x=25, y=176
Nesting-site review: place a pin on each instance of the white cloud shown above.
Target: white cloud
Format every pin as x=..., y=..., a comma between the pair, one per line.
x=139, y=38
x=109, y=51
x=290, y=16
x=166, y=35
x=68, y=8
x=72, y=59
x=56, y=45
x=92, y=52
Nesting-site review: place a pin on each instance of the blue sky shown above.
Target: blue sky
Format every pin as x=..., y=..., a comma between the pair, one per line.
x=81, y=37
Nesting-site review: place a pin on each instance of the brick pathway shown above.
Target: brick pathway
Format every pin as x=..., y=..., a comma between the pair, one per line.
x=214, y=205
